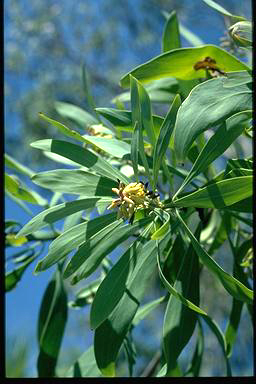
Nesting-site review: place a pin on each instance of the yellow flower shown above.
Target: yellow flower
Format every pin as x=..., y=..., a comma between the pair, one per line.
x=132, y=197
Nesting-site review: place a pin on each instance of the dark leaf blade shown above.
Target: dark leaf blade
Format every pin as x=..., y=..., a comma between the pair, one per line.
x=208, y=104
x=72, y=238
x=51, y=325
x=12, y=278
x=110, y=334
x=179, y=320
x=84, y=263
x=113, y=286
x=164, y=136
x=233, y=286
x=217, y=144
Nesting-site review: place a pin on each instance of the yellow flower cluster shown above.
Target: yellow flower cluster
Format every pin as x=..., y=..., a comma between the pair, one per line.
x=132, y=197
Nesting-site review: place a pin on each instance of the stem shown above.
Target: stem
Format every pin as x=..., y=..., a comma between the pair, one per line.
x=150, y=368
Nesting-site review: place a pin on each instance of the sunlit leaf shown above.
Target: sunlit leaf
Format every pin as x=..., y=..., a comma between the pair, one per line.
x=179, y=63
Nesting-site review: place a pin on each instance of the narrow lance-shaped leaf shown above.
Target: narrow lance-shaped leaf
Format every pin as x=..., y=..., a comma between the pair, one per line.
x=113, y=286
x=217, y=144
x=12, y=278
x=81, y=156
x=76, y=114
x=221, y=9
x=90, y=255
x=217, y=195
x=14, y=164
x=58, y=212
x=51, y=325
x=180, y=321
x=164, y=136
x=137, y=116
x=112, y=146
x=110, y=334
x=232, y=285
x=208, y=104
x=20, y=191
x=171, y=36
x=135, y=150
x=72, y=238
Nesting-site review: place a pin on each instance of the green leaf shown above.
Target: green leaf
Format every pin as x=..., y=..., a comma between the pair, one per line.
x=171, y=289
x=76, y=114
x=81, y=156
x=113, y=286
x=234, y=79
x=123, y=119
x=135, y=150
x=58, y=212
x=233, y=286
x=86, y=294
x=217, y=144
x=233, y=323
x=218, y=195
x=221, y=339
x=72, y=238
x=90, y=255
x=14, y=164
x=146, y=309
x=75, y=181
x=20, y=191
x=116, y=148
x=160, y=232
x=51, y=325
x=84, y=366
x=179, y=63
x=196, y=361
x=110, y=334
x=180, y=320
x=87, y=90
x=221, y=10
x=13, y=277
x=208, y=105
x=164, y=136
x=141, y=112
x=171, y=35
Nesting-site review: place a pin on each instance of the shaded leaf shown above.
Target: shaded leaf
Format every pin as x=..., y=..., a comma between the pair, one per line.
x=233, y=286
x=72, y=238
x=164, y=136
x=91, y=254
x=51, y=325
